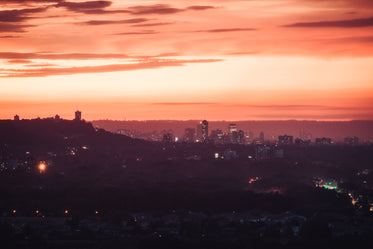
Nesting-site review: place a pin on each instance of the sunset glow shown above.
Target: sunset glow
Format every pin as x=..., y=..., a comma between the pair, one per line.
x=215, y=60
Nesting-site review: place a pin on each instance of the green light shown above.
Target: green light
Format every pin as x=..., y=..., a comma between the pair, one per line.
x=330, y=183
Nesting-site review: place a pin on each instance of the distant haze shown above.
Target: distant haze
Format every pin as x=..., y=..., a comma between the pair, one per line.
x=335, y=130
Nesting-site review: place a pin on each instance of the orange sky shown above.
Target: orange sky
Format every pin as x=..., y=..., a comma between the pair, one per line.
x=216, y=60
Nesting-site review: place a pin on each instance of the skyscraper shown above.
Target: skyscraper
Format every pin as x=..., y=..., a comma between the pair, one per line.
x=261, y=137
x=78, y=116
x=233, y=133
x=232, y=128
x=190, y=134
x=205, y=130
x=285, y=140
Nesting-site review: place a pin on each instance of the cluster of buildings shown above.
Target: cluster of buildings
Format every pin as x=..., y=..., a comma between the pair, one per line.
x=236, y=136
x=218, y=136
x=78, y=116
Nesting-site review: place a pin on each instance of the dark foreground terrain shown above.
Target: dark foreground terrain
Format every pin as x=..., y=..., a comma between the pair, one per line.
x=101, y=190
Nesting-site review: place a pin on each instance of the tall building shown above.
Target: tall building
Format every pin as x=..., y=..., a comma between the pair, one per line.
x=78, y=116
x=241, y=137
x=233, y=133
x=263, y=152
x=261, y=137
x=351, y=140
x=217, y=136
x=285, y=139
x=190, y=134
x=205, y=130
x=323, y=140
x=232, y=128
x=199, y=133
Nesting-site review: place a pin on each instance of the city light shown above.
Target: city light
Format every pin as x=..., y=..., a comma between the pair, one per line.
x=42, y=167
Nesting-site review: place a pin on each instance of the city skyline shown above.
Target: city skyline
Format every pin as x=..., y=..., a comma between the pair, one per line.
x=231, y=60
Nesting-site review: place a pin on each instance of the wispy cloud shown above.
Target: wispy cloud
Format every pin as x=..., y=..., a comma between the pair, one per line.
x=159, y=9
x=164, y=9
x=84, y=6
x=226, y=30
x=152, y=24
x=18, y=15
x=183, y=103
x=144, y=32
x=354, y=23
x=19, y=61
x=60, y=56
x=200, y=7
x=18, y=28
x=151, y=64
x=107, y=22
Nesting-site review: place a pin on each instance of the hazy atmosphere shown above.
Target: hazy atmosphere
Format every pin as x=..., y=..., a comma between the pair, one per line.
x=216, y=60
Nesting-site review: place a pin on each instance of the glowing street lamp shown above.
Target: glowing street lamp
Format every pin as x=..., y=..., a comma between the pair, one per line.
x=42, y=167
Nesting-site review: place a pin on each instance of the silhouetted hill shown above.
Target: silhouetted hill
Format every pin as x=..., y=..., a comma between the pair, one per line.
x=42, y=132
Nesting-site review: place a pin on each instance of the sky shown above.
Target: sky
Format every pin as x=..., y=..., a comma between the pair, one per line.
x=212, y=59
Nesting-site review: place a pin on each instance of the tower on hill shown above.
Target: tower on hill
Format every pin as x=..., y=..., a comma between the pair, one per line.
x=78, y=116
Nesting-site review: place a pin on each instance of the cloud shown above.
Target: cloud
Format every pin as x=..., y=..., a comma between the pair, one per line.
x=9, y=36
x=106, y=22
x=19, y=61
x=354, y=23
x=41, y=65
x=29, y=1
x=152, y=64
x=90, y=7
x=83, y=6
x=242, y=53
x=152, y=24
x=18, y=15
x=99, y=7
x=7, y=27
x=351, y=39
x=200, y=7
x=163, y=9
x=144, y=32
x=183, y=103
x=226, y=30
x=160, y=9
x=60, y=56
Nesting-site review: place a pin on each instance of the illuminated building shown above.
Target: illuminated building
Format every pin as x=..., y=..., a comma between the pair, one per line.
x=299, y=141
x=285, y=140
x=230, y=154
x=204, y=130
x=168, y=137
x=351, y=140
x=233, y=133
x=232, y=128
x=217, y=136
x=16, y=117
x=190, y=134
x=263, y=152
x=261, y=137
x=241, y=137
x=199, y=133
x=323, y=140
x=78, y=116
